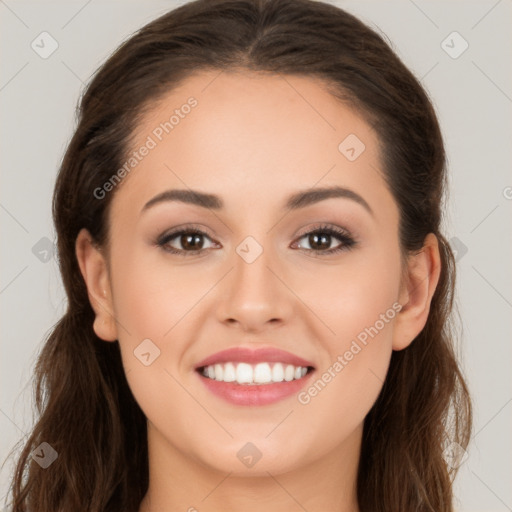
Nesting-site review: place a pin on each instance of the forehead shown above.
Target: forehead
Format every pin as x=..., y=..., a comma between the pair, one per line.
x=247, y=134
x=253, y=107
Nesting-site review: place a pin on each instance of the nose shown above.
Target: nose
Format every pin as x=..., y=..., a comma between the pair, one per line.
x=255, y=295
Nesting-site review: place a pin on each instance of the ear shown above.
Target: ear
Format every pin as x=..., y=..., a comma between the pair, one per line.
x=418, y=287
x=94, y=269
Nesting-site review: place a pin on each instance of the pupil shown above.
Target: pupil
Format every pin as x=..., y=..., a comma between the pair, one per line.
x=315, y=237
x=192, y=241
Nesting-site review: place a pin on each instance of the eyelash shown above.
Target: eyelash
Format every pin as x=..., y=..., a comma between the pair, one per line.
x=347, y=241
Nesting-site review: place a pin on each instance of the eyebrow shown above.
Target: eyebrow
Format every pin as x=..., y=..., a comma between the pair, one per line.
x=296, y=201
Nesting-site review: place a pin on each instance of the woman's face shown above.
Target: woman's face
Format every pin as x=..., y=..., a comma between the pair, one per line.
x=255, y=277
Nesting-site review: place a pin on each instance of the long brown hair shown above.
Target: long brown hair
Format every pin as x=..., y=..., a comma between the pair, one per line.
x=86, y=411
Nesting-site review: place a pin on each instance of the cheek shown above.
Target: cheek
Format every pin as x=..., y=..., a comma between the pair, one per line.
x=339, y=399
x=151, y=295
x=151, y=302
x=358, y=306
x=352, y=295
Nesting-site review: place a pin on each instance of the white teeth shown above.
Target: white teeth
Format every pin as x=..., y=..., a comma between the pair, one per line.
x=219, y=372
x=289, y=372
x=261, y=373
x=229, y=372
x=277, y=373
x=244, y=373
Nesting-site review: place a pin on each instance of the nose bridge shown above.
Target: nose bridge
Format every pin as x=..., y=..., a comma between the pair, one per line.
x=255, y=295
x=251, y=273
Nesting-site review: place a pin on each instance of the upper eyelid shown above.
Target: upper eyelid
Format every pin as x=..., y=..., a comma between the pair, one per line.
x=184, y=229
x=327, y=227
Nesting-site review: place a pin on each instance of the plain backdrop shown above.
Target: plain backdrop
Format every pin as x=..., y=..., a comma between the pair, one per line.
x=468, y=76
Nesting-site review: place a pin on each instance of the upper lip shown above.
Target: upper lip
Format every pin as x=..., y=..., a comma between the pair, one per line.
x=254, y=356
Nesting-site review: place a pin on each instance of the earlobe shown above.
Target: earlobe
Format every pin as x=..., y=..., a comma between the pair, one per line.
x=93, y=267
x=422, y=277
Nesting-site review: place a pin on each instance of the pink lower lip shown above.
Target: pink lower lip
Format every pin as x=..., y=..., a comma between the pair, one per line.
x=262, y=394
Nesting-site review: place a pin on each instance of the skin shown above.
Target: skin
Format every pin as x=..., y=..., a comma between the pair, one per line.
x=253, y=140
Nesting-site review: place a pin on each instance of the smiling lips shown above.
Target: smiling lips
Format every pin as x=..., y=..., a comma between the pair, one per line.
x=254, y=377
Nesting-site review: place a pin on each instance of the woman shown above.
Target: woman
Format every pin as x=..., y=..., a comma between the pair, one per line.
x=248, y=220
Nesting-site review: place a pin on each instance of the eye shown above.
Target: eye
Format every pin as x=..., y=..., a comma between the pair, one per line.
x=189, y=241
x=320, y=239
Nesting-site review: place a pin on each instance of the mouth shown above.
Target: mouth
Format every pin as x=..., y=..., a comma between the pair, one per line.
x=246, y=374
x=254, y=377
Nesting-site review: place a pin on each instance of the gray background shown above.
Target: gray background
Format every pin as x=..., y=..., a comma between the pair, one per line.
x=472, y=94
